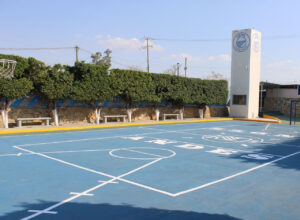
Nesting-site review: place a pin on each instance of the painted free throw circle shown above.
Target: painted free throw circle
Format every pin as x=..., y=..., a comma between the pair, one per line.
x=142, y=153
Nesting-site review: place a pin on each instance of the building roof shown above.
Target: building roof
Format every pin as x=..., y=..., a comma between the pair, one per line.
x=267, y=85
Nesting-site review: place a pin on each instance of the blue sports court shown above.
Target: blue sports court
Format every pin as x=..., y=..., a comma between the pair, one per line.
x=212, y=170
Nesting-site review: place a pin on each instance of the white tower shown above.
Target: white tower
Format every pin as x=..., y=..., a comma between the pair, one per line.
x=245, y=73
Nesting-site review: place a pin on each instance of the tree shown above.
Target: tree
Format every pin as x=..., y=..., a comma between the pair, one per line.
x=94, y=86
x=19, y=85
x=55, y=84
x=178, y=93
x=162, y=84
x=132, y=86
x=135, y=68
x=22, y=64
x=172, y=70
x=11, y=89
x=35, y=67
x=215, y=76
x=97, y=58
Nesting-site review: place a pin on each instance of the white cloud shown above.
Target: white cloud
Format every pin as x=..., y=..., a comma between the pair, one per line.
x=279, y=63
x=119, y=43
x=197, y=59
x=221, y=57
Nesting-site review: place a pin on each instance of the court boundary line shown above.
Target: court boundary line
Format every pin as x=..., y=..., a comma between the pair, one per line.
x=108, y=137
x=56, y=152
x=39, y=212
x=95, y=171
x=235, y=175
x=120, y=178
x=185, y=191
x=204, y=145
x=156, y=189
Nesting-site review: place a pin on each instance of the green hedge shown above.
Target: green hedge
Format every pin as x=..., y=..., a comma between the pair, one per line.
x=175, y=89
x=95, y=83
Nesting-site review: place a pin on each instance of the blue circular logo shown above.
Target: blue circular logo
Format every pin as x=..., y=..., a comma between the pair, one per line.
x=241, y=42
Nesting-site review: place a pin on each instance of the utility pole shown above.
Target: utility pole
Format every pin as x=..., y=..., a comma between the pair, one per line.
x=185, y=66
x=77, y=50
x=177, y=69
x=147, y=47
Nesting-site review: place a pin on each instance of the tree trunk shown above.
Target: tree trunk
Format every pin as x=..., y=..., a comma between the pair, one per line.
x=129, y=113
x=4, y=112
x=181, y=113
x=157, y=114
x=97, y=113
x=55, y=115
x=4, y=118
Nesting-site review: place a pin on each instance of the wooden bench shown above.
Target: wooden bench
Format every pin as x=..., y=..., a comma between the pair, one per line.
x=166, y=115
x=47, y=119
x=114, y=116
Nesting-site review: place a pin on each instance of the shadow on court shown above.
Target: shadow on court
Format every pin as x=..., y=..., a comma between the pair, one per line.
x=107, y=211
x=281, y=149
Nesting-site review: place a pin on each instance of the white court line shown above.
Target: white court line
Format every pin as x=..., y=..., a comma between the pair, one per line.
x=108, y=137
x=93, y=171
x=88, y=190
x=151, y=188
x=190, y=129
x=102, y=181
x=225, y=148
x=204, y=145
x=267, y=126
x=39, y=211
x=235, y=175
x=97, y=172
x=55, y=152
x=64, y=162
x=183, y=132
x=81, y=194
x=155, y=155
x=9, y=155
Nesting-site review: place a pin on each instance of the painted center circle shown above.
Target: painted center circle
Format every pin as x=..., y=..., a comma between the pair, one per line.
x=142, y=153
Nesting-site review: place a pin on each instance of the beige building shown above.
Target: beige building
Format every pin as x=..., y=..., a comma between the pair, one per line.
x=245, y=73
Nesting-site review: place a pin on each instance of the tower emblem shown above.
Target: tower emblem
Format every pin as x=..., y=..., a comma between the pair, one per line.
x=241, y=42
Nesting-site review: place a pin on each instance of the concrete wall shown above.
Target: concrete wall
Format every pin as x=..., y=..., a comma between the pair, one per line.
x=279, y=99
x=87, y=115
x=289, y=93
x=279, y=104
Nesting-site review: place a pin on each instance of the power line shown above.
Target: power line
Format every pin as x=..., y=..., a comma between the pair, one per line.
x=271, y=37
x=190, y=40
x=121, y=64
x=40, y=48
x=85, y=50
x=52, y=48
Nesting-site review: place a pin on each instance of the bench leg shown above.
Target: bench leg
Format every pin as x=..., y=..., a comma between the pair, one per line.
x=20, y=123
x=105, y=120
x=47, y=122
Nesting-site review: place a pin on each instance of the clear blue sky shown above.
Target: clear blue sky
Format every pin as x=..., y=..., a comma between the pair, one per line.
x=121, y=26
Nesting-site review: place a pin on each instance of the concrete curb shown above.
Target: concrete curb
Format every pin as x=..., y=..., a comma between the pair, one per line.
x=39, y=130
